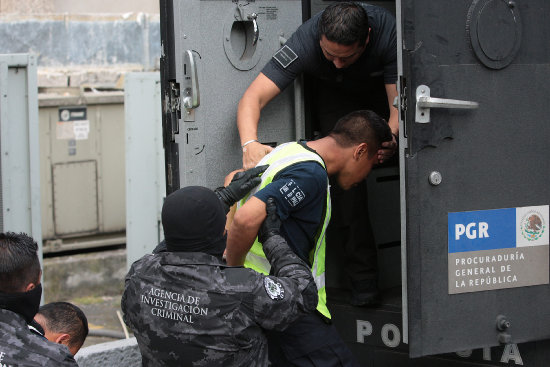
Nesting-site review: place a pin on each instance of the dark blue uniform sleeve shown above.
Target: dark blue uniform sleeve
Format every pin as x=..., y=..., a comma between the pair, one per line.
x=387, y=44
x=296, y=187
x=300, y=47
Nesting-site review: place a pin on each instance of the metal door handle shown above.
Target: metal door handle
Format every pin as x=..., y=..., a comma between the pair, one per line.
x=253, y=17
x=191, y=97
x=424, y=102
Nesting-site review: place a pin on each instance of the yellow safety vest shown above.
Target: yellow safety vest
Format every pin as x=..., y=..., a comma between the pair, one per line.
x=281, y=157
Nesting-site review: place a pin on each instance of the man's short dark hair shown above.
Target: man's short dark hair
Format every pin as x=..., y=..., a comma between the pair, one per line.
x=363, y=126
x=345, y=23
x=65, y=318
x=19, y=264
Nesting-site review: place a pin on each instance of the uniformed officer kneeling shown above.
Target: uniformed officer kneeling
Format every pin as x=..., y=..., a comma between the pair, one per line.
x=187, y=308
x=20, y=292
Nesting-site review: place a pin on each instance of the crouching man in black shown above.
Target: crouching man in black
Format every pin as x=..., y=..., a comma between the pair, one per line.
x=20, y=292
x=187, y=308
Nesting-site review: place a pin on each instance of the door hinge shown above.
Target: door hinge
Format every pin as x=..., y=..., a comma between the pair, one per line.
x=173, y=102
x=172, y=110
x=403, y=103
x=403, y=96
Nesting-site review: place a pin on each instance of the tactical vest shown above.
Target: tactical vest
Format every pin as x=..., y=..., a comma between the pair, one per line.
x=280, y=158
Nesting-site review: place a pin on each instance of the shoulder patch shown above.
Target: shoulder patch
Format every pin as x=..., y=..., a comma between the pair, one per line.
x=292, y=193
x=274, y=289
x=285, y=56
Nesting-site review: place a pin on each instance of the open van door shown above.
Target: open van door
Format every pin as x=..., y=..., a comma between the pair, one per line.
x=475, y=172
x=211, y=52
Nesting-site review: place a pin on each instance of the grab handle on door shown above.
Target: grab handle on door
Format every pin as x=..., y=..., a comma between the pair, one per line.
x=424, y=102
x=253, y=17
x=191, y=96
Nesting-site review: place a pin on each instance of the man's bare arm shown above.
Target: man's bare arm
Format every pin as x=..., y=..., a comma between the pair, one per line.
x=259, y=93
x=243, y=230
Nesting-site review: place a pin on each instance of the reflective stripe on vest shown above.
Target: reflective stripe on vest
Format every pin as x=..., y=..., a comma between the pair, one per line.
x=281, y=157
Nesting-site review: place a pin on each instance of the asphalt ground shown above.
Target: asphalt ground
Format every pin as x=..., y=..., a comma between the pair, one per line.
x=102, y=318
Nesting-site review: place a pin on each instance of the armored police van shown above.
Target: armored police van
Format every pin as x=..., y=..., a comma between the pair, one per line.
x=460, y=216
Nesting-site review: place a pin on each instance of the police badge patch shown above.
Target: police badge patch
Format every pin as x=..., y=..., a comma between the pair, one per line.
x=274, y=289
x=285, y=56
x=292, y=193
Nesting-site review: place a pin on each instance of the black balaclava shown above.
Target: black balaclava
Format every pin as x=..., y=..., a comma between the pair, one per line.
x=194, y=221
x=25, y=304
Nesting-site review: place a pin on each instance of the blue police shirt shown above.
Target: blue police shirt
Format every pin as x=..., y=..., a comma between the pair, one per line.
x=300, y=194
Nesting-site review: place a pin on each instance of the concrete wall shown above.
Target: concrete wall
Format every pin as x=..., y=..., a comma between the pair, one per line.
x=26, y=6
x=77, y=40
x=106, y=6
x=120, y=353
x=71, y=6
x=71, y=39
x=70, y=277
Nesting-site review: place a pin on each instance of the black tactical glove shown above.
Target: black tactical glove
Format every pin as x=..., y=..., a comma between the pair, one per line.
x=272, y=224
x=240, y=185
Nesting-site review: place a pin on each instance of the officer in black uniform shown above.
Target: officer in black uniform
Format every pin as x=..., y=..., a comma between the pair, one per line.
x=349, y=52
x=20, y=292
x=186, y=307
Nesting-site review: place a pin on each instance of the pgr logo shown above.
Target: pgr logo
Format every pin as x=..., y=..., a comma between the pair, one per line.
x=532, y=225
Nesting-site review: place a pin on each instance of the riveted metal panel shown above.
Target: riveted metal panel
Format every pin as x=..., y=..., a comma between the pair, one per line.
x=492, y=157
x=375, y=336
x=206, y=144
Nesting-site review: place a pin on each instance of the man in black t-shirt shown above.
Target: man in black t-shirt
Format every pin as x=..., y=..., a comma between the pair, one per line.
x=345, y=47
x=349, y=49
